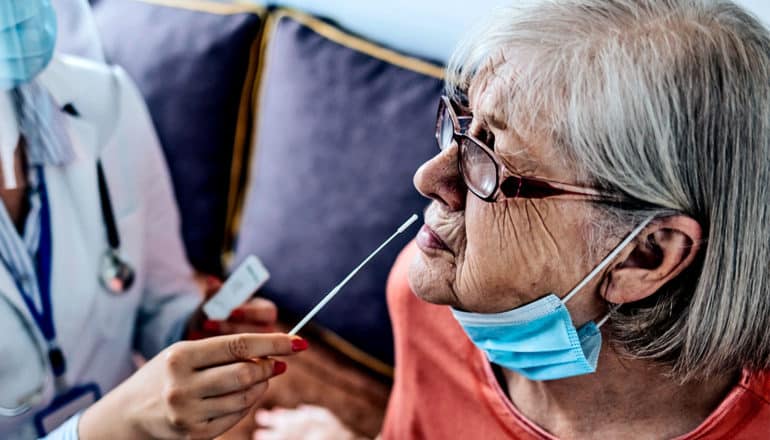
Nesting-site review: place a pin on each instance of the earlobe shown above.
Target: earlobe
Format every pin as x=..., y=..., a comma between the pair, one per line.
x=663, y=251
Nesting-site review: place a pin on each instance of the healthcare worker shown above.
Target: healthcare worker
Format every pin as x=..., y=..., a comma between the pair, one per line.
x=93, y=267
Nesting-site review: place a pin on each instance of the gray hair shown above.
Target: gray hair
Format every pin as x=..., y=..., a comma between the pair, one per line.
x=668, y=102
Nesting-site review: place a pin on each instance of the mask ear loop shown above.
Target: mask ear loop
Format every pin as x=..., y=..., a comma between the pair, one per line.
x=607, y=260
x=606, y=317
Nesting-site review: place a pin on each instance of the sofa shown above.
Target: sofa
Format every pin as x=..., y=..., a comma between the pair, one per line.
x=293, y=139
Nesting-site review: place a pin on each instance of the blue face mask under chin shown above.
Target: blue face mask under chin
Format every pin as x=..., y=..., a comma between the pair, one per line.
x=539, y=340
x=27, y=40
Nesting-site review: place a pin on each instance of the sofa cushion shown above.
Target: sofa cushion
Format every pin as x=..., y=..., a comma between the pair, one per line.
x=342, y=125
x=194, y=61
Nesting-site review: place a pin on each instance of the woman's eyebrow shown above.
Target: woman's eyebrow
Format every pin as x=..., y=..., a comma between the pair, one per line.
x=491, y=120
x=516, y=156
x=519, y=161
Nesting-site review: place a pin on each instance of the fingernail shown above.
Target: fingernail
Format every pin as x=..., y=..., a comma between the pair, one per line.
x=210, y=326
x=299, y=344
x=237, y=314
x=279, y=367
x=194, y=335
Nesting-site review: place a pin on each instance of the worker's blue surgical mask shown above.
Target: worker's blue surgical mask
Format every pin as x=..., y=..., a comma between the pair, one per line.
x=27, y=40
x=539, y=340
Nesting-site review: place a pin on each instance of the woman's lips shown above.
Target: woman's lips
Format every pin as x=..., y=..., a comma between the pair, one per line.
x=428, y=239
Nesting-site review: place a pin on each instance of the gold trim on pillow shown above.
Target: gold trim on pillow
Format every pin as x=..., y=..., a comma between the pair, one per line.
x=361, y=45
x=354, y=353
x=246, y=135
x=209, y=6
x=243, y=129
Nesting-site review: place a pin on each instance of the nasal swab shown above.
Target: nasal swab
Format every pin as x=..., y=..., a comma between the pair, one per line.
x=339, y=286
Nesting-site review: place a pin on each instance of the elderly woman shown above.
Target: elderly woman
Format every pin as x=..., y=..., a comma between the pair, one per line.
x=599, y=229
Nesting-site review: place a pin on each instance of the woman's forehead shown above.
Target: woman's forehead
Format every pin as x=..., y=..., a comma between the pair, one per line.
x=491, y=90
x=507, y=88
x=524, y=148
x=489, y=103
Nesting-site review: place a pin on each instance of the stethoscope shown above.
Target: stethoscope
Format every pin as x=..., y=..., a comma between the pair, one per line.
x=116, y=276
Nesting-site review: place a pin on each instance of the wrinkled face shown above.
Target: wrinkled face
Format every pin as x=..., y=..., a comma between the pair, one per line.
x=491, y=257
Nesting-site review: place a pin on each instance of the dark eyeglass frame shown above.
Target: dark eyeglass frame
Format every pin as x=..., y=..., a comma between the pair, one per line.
x=508, y=184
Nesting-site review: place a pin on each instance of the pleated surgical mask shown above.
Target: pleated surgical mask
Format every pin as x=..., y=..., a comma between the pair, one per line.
x=539, y=340
x=27, y=40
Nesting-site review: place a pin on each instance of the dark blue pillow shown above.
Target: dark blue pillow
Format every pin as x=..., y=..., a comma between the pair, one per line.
x=194, y=63
x=342, y=125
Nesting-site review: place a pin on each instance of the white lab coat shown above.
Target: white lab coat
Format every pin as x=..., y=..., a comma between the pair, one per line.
x=98, y=331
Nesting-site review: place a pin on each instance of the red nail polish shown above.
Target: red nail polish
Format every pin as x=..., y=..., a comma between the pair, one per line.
x=237, y=314
x=210, y=326
x=279, y=367
x=299, y=344
x=194, y=335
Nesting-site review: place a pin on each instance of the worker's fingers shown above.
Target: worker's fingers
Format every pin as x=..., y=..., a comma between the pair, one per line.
x=211, y=286
x=255, y=311
x=220, y=406
x=221, y=350
x=213, y=328
x=238, y=376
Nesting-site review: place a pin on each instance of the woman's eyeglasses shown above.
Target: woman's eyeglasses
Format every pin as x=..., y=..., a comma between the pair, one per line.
x=486, y=176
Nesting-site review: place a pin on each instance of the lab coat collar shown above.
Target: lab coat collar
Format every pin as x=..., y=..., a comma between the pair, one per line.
x=69, y=97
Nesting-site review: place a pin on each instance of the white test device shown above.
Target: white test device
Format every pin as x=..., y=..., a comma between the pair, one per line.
x=250, y=276
x=339, y=286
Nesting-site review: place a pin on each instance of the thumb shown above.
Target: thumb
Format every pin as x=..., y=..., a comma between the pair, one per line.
x=212, y=285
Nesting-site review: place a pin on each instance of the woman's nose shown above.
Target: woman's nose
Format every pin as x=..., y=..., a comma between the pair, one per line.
x=439, y=179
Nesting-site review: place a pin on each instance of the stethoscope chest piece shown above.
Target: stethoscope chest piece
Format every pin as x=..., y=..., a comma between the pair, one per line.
x=115, y=275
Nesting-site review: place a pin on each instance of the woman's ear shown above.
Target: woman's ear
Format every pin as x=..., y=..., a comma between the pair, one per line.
x=665, y=248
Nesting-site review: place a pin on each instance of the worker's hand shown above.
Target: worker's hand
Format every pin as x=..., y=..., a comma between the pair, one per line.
x=258, y=315
x=307, y=422
x=193, y=389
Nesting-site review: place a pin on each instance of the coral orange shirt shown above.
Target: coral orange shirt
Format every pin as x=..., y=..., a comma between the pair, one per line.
x=445, y=388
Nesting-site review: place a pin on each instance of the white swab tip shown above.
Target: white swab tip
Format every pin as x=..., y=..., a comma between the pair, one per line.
x=408, y=223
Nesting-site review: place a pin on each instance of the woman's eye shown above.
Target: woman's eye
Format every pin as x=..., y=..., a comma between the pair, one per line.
x=489, y=139
x=485, y=136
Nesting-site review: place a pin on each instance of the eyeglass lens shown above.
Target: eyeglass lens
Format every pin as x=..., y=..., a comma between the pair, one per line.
x=446, y=129
x=476, y=165
x=478, y=168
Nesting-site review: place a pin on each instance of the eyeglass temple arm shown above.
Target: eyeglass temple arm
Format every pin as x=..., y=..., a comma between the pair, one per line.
x=555, y=189
x=465, y=123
